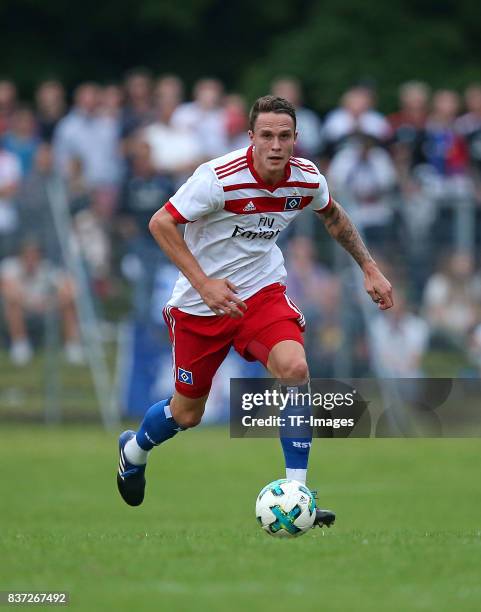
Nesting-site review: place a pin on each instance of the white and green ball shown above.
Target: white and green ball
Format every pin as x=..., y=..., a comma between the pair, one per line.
x=285, y=508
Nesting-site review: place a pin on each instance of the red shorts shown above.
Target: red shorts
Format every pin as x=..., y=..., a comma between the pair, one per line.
x=200, y=344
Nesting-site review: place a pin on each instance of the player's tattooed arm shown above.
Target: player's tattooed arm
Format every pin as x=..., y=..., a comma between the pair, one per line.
x=342, y=229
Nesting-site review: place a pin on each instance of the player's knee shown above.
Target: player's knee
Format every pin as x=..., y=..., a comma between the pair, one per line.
x=188, y=419
x=295, y=372
x=187, y=412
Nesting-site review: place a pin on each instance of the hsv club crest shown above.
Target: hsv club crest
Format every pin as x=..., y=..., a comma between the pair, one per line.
x=292, y=202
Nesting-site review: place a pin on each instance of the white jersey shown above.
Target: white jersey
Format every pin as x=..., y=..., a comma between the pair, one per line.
x=234, y=219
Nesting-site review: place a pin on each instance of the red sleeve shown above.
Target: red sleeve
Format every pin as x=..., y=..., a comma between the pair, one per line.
x=170, y=208
x=326, y=208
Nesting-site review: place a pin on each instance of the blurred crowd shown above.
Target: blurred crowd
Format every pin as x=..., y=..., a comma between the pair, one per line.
x=120, y=150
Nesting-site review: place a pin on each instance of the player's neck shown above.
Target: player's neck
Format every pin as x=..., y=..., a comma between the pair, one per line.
x=268, y=177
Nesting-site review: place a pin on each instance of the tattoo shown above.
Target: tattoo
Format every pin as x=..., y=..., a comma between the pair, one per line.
x=341, y=228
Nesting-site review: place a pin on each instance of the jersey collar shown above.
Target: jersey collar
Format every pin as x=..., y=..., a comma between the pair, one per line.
x=259, y=180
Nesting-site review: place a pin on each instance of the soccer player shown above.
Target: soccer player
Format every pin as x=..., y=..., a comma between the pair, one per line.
x=231, y=287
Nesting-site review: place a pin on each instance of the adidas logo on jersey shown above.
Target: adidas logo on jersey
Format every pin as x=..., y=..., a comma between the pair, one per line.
x=249, y=207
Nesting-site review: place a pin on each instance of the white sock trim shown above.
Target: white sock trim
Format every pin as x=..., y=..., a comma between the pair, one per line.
x=134, y=453
x=299, y=475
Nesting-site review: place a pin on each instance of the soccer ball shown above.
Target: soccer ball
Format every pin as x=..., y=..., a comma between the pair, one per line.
x=285, y=508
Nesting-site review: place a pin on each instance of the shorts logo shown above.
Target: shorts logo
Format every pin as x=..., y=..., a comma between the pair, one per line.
x=185, y=376
x=292, y=203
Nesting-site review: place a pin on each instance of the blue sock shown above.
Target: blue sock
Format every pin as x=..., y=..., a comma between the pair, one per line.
x=296, y=440
x=157, y=426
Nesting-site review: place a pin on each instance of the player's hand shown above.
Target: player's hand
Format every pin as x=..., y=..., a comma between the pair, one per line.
x=219, y=295
x=378, y=287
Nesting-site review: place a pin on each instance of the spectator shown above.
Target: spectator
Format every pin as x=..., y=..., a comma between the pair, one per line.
x=355, y=116
x=308, y=123
x=308, y=279
x=145, y=190
x=175, y=151
x=10, y=175
x=111, y=101
x=452, y=299
x=363, y=176
x=446, y=153
x=469, y=127
x=204, y=118
x=138, y=109
x=30, y=286
x=408, y=127
x=21, y=139
x=34, y=204
x=79, y=194
x=8, y=102
x=143, y=193
x=168, y=96
x=444, y=181
x=95, y=244
x=236, y=120
x=50, y=107
x=445, y=150
x=110, y=108
x=316, y=291
x=399, y=339
x=93, y=138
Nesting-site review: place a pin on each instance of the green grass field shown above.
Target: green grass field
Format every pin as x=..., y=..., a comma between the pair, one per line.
x=408, y=535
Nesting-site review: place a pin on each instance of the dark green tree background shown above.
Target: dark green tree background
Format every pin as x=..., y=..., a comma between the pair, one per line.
x=328, y=44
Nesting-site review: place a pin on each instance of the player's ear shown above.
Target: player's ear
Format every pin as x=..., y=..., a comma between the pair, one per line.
x=295, y=136
x=250, y=133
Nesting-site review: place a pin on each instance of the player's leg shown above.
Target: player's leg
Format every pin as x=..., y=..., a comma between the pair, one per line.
x=162, y=421
x=199, y=345
x=272, y=334
x=287, y=362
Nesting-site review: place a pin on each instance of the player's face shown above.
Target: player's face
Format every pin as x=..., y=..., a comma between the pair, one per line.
x=273, y=138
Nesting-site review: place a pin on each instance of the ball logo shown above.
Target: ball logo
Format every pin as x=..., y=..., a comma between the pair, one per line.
x=185, y=376
x=292, y=203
